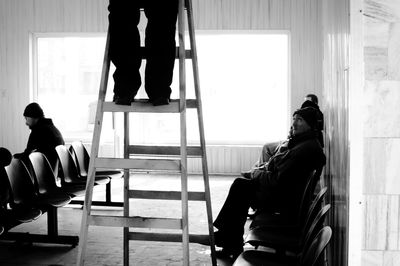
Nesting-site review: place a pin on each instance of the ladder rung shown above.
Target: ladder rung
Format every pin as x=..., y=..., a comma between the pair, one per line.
x=192, y=151
x=165, y=195
x=139, y=163
x=142, y=106
x=168, y=237
x=188, y=53
x=135, y=221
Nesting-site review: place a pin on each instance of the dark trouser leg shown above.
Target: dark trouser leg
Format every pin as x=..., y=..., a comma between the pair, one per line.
x=125, y=46
x=160, y=47
x=232, y=217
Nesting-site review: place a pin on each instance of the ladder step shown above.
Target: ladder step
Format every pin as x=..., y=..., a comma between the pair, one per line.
x=139, y=163
x=192, y=151
x=135, y=221
x=188, y=53
x=168, y=237
x=165, y=195
x=143, y=106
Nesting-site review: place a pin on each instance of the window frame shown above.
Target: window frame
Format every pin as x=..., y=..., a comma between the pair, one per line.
x=33, y=55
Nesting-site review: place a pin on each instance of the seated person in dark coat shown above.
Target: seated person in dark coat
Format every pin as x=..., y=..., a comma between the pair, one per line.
x=311, y=100
x=44, y=135
x=276, y=186
x=268, y=149
x=5, y=159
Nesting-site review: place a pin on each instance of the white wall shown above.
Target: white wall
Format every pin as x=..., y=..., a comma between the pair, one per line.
x=19, y=18
x=336, y=105
x=381, y=97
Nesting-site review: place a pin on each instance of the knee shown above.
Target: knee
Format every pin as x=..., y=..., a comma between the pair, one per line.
x=243, y=185
x=239, y=181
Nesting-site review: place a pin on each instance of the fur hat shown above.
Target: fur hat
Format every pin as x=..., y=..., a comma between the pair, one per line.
x=309, y=114
x=33, y=110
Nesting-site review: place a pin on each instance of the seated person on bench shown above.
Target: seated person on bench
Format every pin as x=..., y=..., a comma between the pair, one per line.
x=276, y=186
x=5, y=159
x=268, y=150
x=44, y=135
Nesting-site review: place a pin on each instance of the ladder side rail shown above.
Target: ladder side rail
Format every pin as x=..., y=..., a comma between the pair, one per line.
x=94, y=152
x=182, y=96
x=201, y=127
x=126, y=190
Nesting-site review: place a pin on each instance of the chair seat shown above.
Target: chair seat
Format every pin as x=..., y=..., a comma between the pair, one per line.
x=275, y=220
x=54, y=199
x=101, y=180
x=80, y=182
x=288, y=240
x=110, y=173
x=24, y=214
x=75, y=190
x=261, y=258
x=98, y=179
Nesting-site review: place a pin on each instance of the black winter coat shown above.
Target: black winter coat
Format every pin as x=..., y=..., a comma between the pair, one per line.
x=283, y=178
x=44, y=138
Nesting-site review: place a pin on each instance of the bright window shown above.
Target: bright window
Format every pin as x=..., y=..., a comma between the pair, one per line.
x=243, y=80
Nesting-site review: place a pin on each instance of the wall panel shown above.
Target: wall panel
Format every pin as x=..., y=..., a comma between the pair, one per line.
x=336, y=94
x=381, y=188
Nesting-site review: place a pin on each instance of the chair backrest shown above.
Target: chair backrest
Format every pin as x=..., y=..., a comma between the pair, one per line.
x=22, y=188
x=42, y=172
x=316, y=178
x=69, y=169
x=304, y=203
x=315, y=250
x=316, y=225
x=81, y=157
x=314, y=208
x=307, y=197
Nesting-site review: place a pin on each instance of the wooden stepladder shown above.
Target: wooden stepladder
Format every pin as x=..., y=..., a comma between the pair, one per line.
x=159, y=158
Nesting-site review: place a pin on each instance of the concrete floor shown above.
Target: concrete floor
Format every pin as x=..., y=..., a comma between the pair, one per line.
x=104, y=246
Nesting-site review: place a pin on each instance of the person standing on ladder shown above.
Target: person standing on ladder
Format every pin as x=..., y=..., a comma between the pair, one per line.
x=160, y=49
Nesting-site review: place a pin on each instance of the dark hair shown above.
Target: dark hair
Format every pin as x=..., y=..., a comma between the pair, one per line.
x=313, y=97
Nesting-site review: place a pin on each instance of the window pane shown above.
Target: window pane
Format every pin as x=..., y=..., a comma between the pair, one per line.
x=243, y=80
x=68, y=82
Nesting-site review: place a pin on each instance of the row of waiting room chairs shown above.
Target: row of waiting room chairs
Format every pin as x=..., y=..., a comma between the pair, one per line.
x=35, y=190
x=298, y=239
x=81, y=159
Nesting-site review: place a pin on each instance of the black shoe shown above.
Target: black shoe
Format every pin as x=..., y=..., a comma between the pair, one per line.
x=229, y=253
x=246, y=174
x=122, y=100
x=226, y=240
x=219, y=239
x=160, y=101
